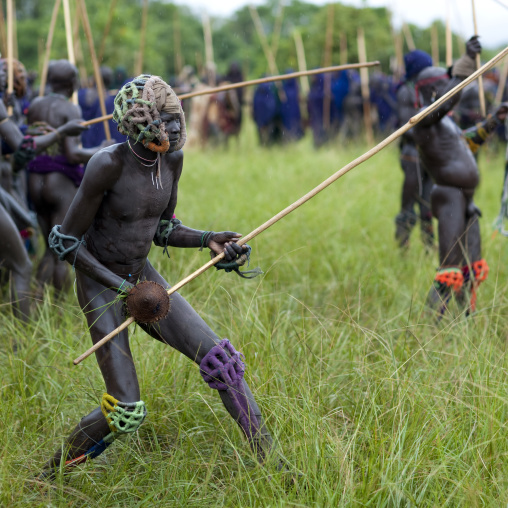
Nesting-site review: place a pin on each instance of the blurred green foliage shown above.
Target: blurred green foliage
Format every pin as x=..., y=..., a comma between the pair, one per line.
x=234, y=38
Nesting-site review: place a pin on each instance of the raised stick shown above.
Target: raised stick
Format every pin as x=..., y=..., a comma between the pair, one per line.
x=144, y=19
x=242, y=84
x=3, y=35
x=327, y=99
x=481, y=93
x=502, y=83
x=367, y=155
x=10, y=51
x=434, y=42
x=272, y=65
x=343, y=48
x=409, y=37
x=449, y=41
x=209, y=58
x=78, y=49
x=277, y=28
x=177, y=41
x=49, y=42
x=107, y=28
x=364, y=77
x=302, y=62
x=96, y=70
x=70, y=45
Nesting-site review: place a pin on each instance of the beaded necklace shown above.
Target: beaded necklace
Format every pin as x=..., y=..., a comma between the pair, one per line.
x=158, y=180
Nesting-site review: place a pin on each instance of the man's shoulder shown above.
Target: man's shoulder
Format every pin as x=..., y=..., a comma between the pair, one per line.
x=108, y=160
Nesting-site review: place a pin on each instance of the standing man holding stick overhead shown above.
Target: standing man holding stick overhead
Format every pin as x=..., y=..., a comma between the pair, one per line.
x=127, y=200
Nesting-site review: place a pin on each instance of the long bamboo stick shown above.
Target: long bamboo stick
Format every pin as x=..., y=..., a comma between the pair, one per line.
x=96, y=69
x=10, y=51
x=70, y=45
x=78, y=48
x=209, y=57
x=364, y=77
x=409, y=37
x=502, y=83
x=449, y=41
x=49, y=42
x=144, y=18
x=277, y=28
x=481, y=93
x=252, y=82
x=3, y=34
x=327, y=89
x=107, y=28
x=272, y=65
x=302, y=62
x=177, y=41
x=367, y=155
x=343, y=48
x=434, y=42
x=15, y=31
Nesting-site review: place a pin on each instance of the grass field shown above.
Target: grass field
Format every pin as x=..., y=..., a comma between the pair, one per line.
x=370, y=401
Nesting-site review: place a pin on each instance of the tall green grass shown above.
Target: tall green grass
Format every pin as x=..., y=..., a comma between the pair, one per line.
x=370, y=402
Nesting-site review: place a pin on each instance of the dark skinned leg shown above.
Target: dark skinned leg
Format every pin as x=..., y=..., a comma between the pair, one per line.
x=114, y=359
x=184, y=330
x=406, y=219
x=52, y=195
x=13, y=256
x=427, y=230
x=449, y=207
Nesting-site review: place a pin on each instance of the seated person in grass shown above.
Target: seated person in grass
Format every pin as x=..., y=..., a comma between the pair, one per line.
x=13, y=255
x=127, y=200
x=447, y=153
x=417, y=182
x=55, y=175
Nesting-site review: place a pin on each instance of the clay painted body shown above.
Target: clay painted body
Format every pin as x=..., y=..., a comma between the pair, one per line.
x=52, y=192
x=118, y=239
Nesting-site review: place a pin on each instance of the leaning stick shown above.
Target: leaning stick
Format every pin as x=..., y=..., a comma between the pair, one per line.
x=502, y=83
x=49, y=42
x=209, y=58
x=70, y=45
x=343, y=48
x=481, y=93
x=272, y=65
x=409, y=37
x=364, y=78
x=10, y=51
x=105, y=34
x=277, y=28
x=327, y=99
x=144, y=18
x=367, y=155
x=3, y=35
x=96, y=70
x=449, y=41
x=242, y=84
x=302, y=62
x=434, y=42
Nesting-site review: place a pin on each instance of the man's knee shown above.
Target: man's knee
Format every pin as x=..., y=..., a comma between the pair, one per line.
x=222, y=367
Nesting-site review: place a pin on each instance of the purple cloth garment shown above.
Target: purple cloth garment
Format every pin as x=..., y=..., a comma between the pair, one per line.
x=223, y=369
x=44, y=164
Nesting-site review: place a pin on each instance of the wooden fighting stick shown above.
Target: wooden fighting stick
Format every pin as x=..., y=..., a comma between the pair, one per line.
x=242, y=84
x=96, y=69
x=367, y=155
x=10, y=51
x=481, y=93
x=49, y=42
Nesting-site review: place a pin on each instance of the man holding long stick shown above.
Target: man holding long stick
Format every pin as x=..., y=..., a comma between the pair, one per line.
x=127, y=200
x=450, y=162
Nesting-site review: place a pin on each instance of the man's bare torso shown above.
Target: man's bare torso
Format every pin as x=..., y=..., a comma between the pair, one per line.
x=122, y=231
x=446, y=155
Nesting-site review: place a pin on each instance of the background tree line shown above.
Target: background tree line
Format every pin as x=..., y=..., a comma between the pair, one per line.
x=234, y=38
